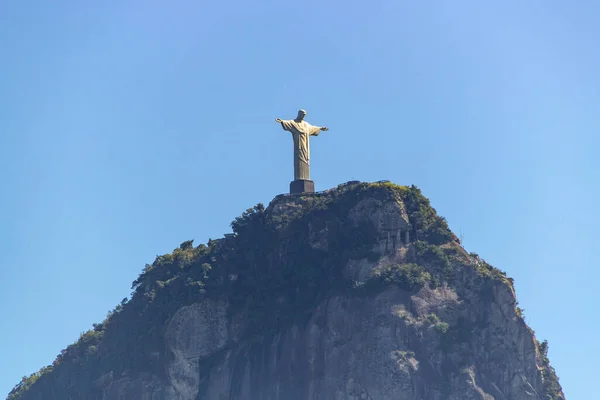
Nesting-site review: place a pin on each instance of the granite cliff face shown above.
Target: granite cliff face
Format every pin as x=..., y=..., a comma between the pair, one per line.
x=360, y=292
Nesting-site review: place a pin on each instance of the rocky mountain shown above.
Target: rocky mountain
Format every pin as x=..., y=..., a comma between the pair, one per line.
x=359, y=292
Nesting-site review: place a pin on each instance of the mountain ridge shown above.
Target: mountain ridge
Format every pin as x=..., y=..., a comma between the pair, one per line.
x=293, y=285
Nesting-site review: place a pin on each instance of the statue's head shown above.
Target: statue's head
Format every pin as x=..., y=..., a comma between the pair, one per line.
x=301, y=115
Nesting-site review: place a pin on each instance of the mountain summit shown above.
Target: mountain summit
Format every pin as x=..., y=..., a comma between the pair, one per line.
x=358, y=292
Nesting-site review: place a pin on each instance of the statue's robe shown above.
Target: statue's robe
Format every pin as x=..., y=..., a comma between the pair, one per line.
x=301, y=132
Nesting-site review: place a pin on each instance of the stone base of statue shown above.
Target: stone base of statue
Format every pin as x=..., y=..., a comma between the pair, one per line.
x=302, y=186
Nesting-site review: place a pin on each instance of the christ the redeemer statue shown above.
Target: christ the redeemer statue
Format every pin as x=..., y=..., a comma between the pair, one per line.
x=301, y=130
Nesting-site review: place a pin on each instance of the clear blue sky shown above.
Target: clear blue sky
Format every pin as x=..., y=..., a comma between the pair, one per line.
x=129, y=127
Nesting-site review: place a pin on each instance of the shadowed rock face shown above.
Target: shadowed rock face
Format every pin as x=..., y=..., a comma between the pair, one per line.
x=457, y=336
x=356, y=348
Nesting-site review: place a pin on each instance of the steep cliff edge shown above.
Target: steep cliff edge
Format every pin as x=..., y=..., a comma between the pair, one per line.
x=359, y=292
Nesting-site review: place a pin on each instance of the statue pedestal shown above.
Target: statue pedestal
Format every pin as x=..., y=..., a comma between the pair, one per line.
x=302, y=186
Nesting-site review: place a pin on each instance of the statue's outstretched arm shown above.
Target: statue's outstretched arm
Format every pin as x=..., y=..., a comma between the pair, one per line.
x=278, y=120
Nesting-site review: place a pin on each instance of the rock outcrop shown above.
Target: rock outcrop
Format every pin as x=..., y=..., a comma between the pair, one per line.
x=360, y=292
